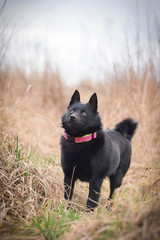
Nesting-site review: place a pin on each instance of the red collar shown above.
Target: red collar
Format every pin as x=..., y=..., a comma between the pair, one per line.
x=85, y=138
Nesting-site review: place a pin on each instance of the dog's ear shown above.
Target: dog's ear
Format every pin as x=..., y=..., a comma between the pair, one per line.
x=75, y=97
x=93, y=101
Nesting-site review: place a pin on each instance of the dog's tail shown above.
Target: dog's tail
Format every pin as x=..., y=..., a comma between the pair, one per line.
x=127, y=128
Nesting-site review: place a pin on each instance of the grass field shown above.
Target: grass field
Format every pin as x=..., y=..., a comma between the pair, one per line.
x=31, y=179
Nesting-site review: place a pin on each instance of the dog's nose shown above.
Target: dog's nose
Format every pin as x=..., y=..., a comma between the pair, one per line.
x=72, y=117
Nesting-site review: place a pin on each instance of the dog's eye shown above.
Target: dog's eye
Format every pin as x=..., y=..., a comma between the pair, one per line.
x=84, y=113
x=72, y=111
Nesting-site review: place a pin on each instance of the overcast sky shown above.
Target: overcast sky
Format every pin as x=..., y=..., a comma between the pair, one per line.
x=78, y=38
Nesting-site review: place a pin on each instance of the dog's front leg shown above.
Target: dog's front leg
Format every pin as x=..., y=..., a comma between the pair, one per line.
x=68, y=187
x=94, y=193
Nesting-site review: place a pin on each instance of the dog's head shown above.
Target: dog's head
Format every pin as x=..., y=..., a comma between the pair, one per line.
x=81, y=119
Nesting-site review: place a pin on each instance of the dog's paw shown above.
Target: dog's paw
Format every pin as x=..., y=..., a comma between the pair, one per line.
x=89, y=209
x=109, y=205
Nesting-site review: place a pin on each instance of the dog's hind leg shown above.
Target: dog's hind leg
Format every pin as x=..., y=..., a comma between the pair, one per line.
x=115, y=182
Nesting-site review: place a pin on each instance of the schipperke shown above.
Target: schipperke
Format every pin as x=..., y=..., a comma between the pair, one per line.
x=89, y=153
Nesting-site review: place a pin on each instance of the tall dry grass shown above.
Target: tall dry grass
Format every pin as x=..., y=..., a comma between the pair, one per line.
x=30, y=172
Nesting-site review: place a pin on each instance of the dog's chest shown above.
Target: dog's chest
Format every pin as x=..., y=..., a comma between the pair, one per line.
x=78, y=160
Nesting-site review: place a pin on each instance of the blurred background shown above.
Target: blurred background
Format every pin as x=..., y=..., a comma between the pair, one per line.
x=80, y=39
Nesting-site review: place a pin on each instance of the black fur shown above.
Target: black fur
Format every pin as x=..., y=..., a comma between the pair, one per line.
x=106, y=156
x=127, y=128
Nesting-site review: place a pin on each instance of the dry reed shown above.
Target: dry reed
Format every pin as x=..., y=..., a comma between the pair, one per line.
x=34, y=113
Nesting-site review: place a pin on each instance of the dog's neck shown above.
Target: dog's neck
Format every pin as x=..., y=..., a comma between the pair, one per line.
x=82, y=139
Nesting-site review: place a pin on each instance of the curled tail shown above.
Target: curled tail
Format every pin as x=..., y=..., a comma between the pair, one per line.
x=127, y=128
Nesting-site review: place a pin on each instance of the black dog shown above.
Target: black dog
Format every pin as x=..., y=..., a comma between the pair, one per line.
x=89, y=153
